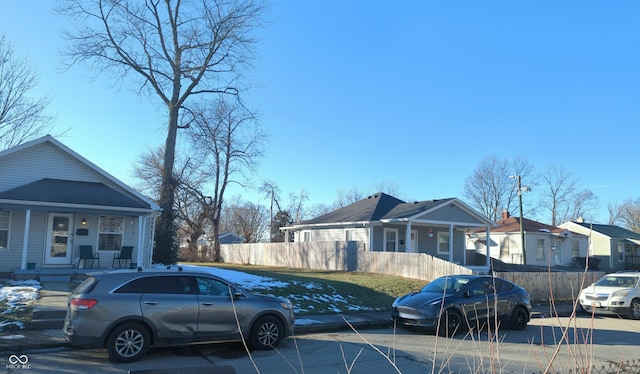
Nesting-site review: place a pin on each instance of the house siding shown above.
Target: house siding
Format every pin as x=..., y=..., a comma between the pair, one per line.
x=602, y=246
x=13, y=255
x=333, y=234
x=452, y=213
x=45, y=161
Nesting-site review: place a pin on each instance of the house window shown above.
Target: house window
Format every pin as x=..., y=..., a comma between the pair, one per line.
x=443, y=242
x=348, y=235
x=306, y=236
x=390, y=240
x=575, y=248
x=540, y=250
x=110, y=230
x=5, y=218
x=620, y=252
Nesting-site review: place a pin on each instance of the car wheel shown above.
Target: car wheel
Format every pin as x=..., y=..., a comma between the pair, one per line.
x=519, y=319
x=634, y=309
x=450, y=323
x=128, y=342
x=266, y=333
x=581, y=309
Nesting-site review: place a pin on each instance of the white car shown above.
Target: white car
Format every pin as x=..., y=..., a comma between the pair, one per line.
x=615, y=293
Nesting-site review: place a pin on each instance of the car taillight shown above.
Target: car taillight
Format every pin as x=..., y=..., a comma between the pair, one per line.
x=82, y=304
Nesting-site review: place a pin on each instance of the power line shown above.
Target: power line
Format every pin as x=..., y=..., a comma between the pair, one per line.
x=597, y=186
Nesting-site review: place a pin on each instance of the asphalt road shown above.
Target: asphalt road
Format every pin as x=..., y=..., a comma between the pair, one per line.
x=598, y=342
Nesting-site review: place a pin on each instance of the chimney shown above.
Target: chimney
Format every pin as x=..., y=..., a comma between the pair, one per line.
x=580, y=220
x=505, y=214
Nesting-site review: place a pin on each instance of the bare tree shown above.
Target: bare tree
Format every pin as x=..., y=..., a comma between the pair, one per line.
x=22, y=117
x=558, y=192
x=148, y=171
x=191, y=219
x=296, y=207
x=582, y=204
x=271, y=190
x=490, y=189
x=615, y=211
x=349, y=196
x=173, y=50
x=227, y=143
x=247, y=219
x=629, y=214
x=346, y=197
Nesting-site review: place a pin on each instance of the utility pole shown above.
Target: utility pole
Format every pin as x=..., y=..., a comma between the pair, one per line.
x=271, y=219
x=521, y=189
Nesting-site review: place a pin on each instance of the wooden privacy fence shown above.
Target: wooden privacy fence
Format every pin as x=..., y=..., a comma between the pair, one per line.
x=352, y=256
x=346, y=256
x=547, y=285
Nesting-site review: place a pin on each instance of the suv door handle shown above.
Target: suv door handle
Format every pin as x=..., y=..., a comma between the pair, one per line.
x=150, y=302
x=207, y=303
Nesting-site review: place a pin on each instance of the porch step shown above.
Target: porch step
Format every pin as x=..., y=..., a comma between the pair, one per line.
x=48, y=323
x=51, y=307
x=54, y=278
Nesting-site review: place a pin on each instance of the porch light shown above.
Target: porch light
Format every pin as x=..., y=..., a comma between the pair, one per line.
x=84, y=221
x=430, y=232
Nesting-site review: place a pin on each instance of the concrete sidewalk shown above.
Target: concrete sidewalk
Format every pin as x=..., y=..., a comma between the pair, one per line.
x=48, y=318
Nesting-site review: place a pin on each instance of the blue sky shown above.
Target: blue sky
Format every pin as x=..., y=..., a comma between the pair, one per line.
x=354, y=93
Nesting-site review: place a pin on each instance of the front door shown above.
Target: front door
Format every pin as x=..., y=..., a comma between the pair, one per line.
x=557, y=252
x=59, y=246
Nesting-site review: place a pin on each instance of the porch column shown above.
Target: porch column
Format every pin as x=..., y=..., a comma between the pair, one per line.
x=141, y=236
x=407, y=239
x=451, y=243
x=488, y=238
x=25, y=240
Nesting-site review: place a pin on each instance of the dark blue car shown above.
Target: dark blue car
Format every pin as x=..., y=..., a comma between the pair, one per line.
x=455, y=303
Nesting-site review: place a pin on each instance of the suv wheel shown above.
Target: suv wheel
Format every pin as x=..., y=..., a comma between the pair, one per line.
x=634, y=309
x=128, y=342
x=266, y=333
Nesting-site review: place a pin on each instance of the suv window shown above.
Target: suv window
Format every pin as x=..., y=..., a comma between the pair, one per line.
x=617, y=281
x=210, y=286
x=135, y=286
x=86, y=286
x=171, y=285
x=160, y=285
x=503, y=286
x=479, y=287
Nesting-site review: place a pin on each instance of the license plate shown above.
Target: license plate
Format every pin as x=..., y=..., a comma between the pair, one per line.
x=595, y=304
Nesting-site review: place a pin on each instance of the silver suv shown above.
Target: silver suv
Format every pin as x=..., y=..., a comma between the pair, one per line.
x=615, y=293
x=128, y=311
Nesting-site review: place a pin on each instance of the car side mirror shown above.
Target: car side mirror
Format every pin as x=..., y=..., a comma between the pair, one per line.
x=466, y=294
x=237, y=294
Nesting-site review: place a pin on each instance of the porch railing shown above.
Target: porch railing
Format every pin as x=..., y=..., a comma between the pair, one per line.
x=632, y=262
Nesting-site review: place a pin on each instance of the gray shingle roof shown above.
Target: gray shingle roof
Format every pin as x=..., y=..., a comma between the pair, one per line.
x=72, y=192
x=610, y=230
x=406, y=210
x=372, y=208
